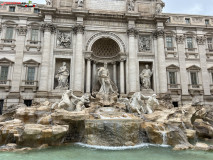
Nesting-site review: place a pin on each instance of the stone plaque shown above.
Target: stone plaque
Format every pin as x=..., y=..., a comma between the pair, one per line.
x=108, y=5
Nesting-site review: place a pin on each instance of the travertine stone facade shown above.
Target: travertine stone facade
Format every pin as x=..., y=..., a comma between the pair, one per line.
x=125, y=34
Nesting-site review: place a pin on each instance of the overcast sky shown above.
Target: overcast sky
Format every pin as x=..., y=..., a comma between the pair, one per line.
x=202, y=7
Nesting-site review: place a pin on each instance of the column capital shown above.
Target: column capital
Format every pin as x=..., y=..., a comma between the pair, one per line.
x=48, y=27
x=132, y=32
x=78, y=28
x=159, y=33
x=22, y=30
x=201, y=40
x=180, y=39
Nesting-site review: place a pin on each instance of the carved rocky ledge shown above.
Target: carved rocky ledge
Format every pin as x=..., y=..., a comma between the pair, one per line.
x=78, y=28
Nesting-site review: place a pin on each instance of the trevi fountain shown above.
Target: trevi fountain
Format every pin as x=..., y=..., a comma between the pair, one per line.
x=85, y=127
x=104, y=122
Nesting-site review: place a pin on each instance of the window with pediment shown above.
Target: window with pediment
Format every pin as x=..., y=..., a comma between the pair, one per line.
x=144, y=43
x=194, y=76
x=173, y=76
x=8, y=32
x=5, y=73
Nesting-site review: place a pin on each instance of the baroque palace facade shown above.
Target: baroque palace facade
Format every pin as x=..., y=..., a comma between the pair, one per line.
x=58, y=46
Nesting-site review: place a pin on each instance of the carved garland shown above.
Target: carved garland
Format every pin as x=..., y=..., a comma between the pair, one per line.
x=107, y=34
x=48, y=27
x=22, y=30
x=78, y=29
x=201, y=40
x=132, y=32
x=180, y=39
x=159, y=33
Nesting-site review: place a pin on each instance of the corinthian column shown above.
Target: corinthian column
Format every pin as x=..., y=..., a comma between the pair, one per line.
x=159, y=35
x=88, y=82
x=205, y=75
x=43, y=83
x=182, y=61
x=21, y=30
x=132, y=61
x=78, y=60
x=122, y=76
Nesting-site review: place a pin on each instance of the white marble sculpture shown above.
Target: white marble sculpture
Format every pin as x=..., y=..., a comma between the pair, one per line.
x=104, y=79
x=136, y=105
x=152, y=103
x=48, y=2
x=80, y=3
x=159, y=7
x=72, y=104
x=62, y=76
x=145, y=77
x=131, y=5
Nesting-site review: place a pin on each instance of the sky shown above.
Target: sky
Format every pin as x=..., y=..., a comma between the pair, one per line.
x=200, y=7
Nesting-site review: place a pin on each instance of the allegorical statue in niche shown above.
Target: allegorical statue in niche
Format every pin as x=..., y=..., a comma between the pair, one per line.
x=62, y=76
x=131, y=5
x=104, y=79
x=80, y=3
x=145, y=77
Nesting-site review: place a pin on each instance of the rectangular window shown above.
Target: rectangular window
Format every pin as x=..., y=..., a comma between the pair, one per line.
x=34, y=35
x=30, y=75
x=210, y=46
x=28, y=103
x=169, y=42
x=194, y=78
x=189, y=43
x=36, y=10
x=4, y=74
x=9, y=33
x=207, y=21
x=172, y=78
x=1, y=106
x=212, y=76
x=187, y=20
x=12, y=9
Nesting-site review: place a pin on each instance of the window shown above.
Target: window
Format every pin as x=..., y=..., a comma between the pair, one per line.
x=1, y=106
x=175, y=104
x=30, y=75
x=210, y=46
x=28, y=103
x=187, y=20
x=189, y=43
x=9, y=34
x=194, y=79
x=172, y=78
x=169, y=42
x=3, y=74
x=36, y=10
x=12, y=8
x=207, y=21
x=34, y=35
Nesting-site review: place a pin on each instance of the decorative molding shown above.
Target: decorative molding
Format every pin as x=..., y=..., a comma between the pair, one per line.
x=144, y=43
x=48, y=27
x=180, y=39
x=110, y=35
x=193, y=67
x=132, y=32
x=78, y=28
x=64, y=39
x=159, y=33
x=22, y=30
x=201, y=40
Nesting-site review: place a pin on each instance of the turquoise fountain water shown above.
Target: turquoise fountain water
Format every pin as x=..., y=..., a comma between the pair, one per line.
x=84, y=152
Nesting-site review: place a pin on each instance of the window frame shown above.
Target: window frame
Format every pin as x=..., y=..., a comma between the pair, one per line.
x=12, y=7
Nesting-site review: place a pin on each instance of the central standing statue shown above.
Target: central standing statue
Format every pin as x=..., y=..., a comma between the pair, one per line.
x=105, y=90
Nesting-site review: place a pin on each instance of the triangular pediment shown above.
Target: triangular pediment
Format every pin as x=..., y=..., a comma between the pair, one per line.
x=211, y=68
x=9, y=23
x=172, y=66
x=5, y=60
x=193, y=67
x=31, y=61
